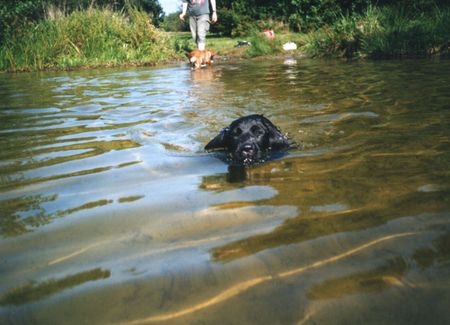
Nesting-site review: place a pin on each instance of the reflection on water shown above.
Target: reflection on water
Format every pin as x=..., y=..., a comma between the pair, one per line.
x=30, y=292
x=110, y=207
x=374, y=280
x=373, y=206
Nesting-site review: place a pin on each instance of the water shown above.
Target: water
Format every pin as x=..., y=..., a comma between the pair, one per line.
x=111, y=213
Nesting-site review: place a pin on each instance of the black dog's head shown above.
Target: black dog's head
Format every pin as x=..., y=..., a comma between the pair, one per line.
x=248, y=140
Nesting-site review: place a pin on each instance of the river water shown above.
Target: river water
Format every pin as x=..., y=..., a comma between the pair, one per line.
x=112, y=213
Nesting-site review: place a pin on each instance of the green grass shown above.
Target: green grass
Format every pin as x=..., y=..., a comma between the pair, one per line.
x=101, y=37
x=383, y=33
x=262, y=46
x=403, y=35
x=182, y=42
x=86, y=38
x=226, y=46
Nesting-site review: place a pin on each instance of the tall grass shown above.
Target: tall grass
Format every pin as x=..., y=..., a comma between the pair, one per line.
x=91, y=37
x=383, y=33
x=403, y=35
x=261, y=45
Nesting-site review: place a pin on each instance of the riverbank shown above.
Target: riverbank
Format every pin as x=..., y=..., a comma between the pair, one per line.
x=383, y=33
x=104, y=38
x=88, y=38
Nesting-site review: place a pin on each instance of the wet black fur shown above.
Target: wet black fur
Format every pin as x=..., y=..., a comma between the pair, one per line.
x=249, y=140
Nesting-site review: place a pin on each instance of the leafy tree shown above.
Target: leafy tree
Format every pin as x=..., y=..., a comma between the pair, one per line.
x=235, y=15
x=172, y=23
x=15, y=12
x=151, y=6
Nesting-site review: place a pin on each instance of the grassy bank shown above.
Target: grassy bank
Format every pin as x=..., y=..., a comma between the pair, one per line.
x=386, y=32
x=86, y=38
x=102, y=37
x=383, y=33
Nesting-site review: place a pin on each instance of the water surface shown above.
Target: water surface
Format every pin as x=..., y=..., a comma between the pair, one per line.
x=112, y=213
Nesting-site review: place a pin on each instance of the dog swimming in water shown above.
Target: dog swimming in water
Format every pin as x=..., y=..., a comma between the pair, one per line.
x=249, y=140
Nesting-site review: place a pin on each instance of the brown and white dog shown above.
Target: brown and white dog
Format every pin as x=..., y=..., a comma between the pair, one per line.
x=199, y=58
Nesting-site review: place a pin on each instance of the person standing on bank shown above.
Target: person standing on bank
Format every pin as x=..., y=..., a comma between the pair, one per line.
x=199, y=19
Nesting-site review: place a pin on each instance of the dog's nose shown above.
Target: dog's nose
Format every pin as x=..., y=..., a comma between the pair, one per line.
x=247, y=148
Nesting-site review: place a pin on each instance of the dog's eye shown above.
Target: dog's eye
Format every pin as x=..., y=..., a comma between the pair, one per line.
x=256, y=130
x=237, y=131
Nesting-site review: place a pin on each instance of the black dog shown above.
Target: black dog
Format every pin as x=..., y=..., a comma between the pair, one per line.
x=249, y=140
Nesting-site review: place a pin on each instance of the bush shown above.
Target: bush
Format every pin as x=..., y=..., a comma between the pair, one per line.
x=15, y=14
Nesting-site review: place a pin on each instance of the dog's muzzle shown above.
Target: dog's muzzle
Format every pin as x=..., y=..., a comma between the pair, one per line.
x=247, y=154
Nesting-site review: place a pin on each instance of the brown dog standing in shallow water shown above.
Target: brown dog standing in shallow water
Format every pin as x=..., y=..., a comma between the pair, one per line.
x=199, y=58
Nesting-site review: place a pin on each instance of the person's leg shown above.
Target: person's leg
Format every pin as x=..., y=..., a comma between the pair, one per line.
x=202, y=30
x=193, y=28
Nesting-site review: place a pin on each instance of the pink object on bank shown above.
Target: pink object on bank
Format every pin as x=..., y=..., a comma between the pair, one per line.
x=270, y=34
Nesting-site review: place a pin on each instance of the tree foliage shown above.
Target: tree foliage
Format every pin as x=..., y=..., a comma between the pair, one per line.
x=172, y=23
x=235, y=16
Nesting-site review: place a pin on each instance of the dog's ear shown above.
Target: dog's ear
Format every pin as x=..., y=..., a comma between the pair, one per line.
x=219, y=142
x=277, y=140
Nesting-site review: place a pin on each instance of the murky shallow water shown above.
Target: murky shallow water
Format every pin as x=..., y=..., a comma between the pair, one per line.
x=111, y=213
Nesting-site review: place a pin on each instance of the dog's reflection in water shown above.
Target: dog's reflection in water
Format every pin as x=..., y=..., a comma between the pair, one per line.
x=208, y=74
x=236, y=174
